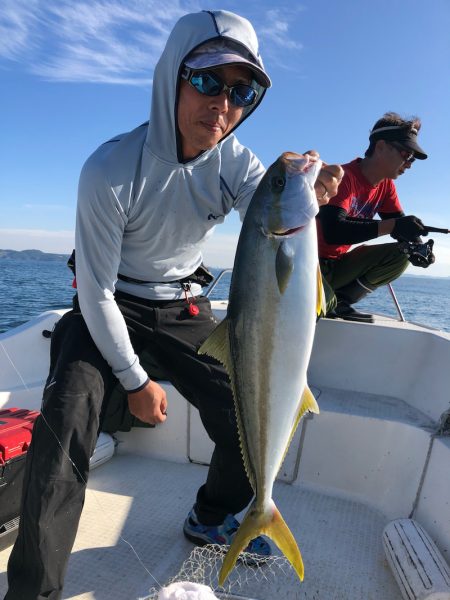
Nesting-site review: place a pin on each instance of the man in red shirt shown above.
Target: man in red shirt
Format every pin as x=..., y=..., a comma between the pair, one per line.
x=367, y=189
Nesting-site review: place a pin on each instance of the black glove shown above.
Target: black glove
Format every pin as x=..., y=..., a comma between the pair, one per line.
x=408, y=228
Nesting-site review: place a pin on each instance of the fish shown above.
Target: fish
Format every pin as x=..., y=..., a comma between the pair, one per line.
x=266, y=338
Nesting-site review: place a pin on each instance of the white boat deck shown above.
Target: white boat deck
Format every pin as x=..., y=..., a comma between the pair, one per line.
x=378, y=451
x=145, y=501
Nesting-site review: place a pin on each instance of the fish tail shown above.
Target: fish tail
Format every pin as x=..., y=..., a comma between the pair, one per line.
x=270, y=523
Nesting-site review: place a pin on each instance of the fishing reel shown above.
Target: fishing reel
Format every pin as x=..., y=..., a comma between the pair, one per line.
x=420, y=254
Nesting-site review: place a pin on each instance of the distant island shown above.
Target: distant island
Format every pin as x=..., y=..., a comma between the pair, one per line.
x=38, y=255
x=21, y=255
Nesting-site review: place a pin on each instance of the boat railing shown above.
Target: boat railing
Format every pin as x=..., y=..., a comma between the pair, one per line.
x=389, y=286
x=396, y=303
x=216, y=281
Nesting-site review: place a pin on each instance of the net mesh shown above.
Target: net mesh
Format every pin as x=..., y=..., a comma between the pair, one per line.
x=250, y=573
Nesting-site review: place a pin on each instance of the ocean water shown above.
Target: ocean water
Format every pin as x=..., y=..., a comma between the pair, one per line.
x=28, y=288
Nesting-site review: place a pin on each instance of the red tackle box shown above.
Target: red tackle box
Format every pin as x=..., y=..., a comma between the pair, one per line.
x=16, y=427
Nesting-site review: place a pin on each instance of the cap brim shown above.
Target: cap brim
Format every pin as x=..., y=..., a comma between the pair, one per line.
x=210, y=60
x=412, y=146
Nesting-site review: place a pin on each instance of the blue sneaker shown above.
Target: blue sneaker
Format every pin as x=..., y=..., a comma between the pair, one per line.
x=221, y=534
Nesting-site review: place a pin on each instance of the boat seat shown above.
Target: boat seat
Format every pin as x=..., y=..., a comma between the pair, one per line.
x=393, y=439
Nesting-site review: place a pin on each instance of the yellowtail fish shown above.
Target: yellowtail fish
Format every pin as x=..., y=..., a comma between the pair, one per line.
x=265, y=341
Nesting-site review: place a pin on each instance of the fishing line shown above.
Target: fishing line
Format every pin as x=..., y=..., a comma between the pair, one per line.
x=14, y=367
x=94, y=494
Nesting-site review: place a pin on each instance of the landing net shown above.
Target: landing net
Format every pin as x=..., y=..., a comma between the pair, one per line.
x=250, y=573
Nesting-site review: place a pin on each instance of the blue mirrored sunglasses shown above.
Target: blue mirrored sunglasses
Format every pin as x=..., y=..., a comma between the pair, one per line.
x=210, y=84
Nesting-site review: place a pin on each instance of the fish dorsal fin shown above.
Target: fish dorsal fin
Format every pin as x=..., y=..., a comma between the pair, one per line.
x=321, y=306
x=217, y=345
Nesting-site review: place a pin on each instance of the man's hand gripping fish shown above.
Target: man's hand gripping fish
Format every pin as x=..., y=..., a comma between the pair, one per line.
x=266, y=338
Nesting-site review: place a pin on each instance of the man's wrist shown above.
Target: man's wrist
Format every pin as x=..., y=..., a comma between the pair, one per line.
x=141, y=387
x=386, y=227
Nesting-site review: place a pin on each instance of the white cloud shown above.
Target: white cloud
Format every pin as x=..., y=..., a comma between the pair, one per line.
x=278, y=32
x=220, y=249
x=115, y=41
x=96, y=41
x=17, y=20
x=441, y=268
x=60, y=242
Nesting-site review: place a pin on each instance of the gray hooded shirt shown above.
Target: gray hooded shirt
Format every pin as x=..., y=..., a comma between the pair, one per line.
x=145, y=213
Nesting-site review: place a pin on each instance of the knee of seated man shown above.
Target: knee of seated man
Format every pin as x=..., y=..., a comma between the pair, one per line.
x=72, y=344
x=74, y=388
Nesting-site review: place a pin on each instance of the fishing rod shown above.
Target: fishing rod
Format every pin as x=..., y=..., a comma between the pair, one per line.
x=436, y=229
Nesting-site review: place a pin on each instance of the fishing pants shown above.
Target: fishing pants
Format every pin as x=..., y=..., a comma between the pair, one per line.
x=78, y=382
x=373, y=265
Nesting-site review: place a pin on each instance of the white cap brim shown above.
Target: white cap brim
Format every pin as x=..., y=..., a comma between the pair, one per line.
x=207, y=57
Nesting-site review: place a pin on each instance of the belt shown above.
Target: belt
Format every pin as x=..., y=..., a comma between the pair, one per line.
x=201, y=276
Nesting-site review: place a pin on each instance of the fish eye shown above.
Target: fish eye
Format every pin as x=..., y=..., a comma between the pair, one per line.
x=278, y=183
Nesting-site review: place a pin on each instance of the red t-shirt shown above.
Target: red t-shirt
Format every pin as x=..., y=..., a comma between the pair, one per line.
x=361, y=200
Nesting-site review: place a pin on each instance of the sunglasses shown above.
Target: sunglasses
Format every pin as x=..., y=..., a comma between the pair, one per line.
x=406, y=155
x=210, y=84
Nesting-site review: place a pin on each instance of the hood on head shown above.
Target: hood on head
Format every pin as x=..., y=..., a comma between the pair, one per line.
x=188, y=34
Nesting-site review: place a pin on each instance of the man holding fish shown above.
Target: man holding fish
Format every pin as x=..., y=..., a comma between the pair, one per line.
x=147, y=201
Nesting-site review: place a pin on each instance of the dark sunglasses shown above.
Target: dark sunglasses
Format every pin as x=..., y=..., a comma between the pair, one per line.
x=210, y=84
x=406, y=155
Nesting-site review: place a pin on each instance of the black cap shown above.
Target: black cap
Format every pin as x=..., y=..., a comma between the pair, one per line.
x=406, y=136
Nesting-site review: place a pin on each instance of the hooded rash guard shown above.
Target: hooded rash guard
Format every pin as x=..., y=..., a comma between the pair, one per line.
x=145, y=213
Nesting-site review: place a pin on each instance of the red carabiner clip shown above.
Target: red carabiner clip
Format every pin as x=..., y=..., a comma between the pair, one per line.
x=193, y=309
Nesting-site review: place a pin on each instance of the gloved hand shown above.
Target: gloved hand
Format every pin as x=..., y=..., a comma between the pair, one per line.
x=408, y=228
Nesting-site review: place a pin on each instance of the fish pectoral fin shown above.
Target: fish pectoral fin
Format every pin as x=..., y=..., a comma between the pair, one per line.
x=217, y=345
x=284, y=264
x=270, y=523
x=321, y=306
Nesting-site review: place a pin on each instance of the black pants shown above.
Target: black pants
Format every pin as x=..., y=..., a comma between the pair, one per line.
x=78, y=383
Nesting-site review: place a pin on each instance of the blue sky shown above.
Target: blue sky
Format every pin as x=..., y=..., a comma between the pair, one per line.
x=74, y=73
